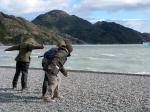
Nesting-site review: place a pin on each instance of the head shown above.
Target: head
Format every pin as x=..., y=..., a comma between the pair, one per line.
x=29, y=39
x=65, y=44
x=68, y=45
x=61, y=44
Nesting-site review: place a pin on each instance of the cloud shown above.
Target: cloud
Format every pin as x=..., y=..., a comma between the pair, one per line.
x=82, y=8
x=73, y=6
x=30, y=6
x=137, y=24
x=113, y=5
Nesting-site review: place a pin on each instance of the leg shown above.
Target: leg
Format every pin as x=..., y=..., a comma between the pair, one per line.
x=56, y=91
x=15, y=79
x=52, y=83
x=51, y=92
x=24, y=69
x=44, y=87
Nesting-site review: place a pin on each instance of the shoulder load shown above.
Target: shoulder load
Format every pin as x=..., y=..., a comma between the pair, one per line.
x=50, y=53
x=48, y=56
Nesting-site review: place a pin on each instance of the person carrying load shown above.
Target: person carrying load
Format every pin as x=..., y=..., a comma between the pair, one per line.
x=52, y=62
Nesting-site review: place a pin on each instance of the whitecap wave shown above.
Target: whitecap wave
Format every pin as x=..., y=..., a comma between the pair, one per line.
x=142, y=73
x=85, y=58
x=4, y=56
x=35, y=53
x=91, y=58
x=34, y=56
x=70, y=68
x=74, y=55
x=90, y=69
x=110, y=55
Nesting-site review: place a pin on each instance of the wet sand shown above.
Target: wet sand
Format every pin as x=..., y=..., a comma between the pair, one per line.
x=82, y=91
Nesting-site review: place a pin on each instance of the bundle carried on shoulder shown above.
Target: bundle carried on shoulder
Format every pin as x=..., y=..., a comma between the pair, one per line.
x=50, y=53
x=48, y=57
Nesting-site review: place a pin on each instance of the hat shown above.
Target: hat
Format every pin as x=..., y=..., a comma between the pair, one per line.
x=29, y=39
x=65, y=43
x=61, y=43
x=68, y=45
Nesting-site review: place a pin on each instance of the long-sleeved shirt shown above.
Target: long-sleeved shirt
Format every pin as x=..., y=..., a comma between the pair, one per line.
x=25, y=50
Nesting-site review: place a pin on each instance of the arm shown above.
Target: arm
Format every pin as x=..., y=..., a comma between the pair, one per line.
x=59, y=61
x=63, y=71
x=38, y=46
x=60, y=65
x=16, y=47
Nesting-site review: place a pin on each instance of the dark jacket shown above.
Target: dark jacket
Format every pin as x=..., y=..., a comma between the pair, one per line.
x=57, y=62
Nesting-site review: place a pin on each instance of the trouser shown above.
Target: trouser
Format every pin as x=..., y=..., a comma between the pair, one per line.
x=51, y=85
x=21, y=67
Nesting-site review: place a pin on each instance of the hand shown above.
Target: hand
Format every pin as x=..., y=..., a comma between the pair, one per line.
x=66, y=75
x=42, y=46
x=49, y=67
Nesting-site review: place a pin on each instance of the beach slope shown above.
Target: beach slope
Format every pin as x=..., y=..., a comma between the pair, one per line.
x=83, y=92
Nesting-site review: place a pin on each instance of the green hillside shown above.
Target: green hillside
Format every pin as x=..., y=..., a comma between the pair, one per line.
x=12, y=27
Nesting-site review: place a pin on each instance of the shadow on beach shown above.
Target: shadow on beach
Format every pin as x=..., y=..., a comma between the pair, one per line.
x=8, y=95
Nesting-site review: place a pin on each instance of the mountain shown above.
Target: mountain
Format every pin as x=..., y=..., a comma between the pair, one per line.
x=146, y=37
x=65, y=23
x=118, y=33
x=57, y=24
x=98, y=33
x=12, y=27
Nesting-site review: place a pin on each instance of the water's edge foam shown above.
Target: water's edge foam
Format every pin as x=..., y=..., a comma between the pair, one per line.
x=84, y=71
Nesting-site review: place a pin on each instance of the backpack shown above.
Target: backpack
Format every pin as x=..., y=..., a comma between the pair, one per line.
x=50, y=53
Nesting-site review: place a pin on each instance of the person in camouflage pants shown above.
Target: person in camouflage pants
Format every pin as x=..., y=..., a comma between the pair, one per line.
x=52, y=67
x=23, y=59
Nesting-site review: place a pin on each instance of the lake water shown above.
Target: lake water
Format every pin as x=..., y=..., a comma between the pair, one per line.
x=103, y=58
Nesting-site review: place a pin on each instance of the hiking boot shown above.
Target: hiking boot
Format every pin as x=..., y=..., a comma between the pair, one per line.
x=58, y=97
x=14, y=86
x=48, y=99
x=24, y=90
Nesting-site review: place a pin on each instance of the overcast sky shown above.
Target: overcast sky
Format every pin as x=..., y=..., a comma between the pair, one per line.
x=131, y=13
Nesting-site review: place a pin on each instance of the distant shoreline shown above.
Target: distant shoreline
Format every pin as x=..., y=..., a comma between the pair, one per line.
x=86, y=71
x=76, y=44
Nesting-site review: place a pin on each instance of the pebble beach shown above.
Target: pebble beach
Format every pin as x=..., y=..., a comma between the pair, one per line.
x=82, y=91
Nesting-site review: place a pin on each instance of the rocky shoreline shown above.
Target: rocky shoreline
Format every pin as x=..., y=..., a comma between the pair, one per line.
x=83, y=92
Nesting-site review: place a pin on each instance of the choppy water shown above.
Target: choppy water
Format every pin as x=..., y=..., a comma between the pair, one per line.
x=104, y=58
